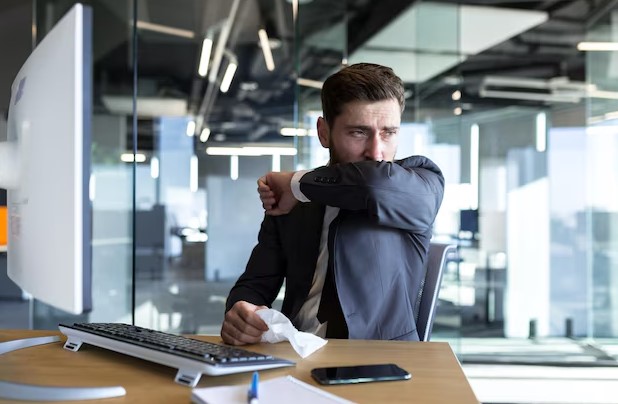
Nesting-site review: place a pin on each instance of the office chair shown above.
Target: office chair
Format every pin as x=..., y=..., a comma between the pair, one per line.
x=436, y=261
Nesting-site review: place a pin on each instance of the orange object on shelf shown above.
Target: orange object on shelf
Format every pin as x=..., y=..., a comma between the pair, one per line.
x=4, y=225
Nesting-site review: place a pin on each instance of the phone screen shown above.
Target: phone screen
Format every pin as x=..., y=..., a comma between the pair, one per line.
x=359, y=374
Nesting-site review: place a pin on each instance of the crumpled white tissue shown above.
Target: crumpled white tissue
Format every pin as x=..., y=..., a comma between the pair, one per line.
x=280, y=328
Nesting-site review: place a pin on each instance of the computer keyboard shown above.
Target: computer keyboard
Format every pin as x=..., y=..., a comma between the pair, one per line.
x=191, y=357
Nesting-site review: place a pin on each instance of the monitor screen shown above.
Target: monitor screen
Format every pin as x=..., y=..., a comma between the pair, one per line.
x=469, y=220
x=49, y=209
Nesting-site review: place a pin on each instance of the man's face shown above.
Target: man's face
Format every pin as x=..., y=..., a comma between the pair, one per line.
x=363, y=131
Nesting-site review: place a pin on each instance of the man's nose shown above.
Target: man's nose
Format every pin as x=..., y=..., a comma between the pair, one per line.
x=373, y=148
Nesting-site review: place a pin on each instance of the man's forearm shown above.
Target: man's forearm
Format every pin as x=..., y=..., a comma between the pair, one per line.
x=405, y=195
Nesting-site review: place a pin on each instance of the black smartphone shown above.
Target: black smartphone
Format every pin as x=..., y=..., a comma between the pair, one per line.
x=359, y=374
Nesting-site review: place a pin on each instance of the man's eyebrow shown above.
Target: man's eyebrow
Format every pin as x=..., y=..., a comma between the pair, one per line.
x=367, y=127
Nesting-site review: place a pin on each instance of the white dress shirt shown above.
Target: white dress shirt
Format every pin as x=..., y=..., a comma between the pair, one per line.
x=307, y=317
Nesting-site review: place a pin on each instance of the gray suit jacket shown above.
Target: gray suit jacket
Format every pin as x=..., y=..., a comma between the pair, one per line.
x=380, y=245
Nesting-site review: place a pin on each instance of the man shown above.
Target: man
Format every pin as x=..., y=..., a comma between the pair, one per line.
x=350, y=239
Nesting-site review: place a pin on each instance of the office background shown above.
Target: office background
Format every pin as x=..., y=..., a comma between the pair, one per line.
x=522, y=123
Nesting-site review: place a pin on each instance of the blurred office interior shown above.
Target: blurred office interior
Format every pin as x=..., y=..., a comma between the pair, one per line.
x=503, y=95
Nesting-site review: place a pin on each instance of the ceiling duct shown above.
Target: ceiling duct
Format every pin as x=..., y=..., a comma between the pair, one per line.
x=555, y=89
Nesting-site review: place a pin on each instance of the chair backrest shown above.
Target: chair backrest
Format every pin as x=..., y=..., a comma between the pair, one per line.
x=436, y=261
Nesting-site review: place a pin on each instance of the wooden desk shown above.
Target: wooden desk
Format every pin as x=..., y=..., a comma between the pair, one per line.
x=437, y=376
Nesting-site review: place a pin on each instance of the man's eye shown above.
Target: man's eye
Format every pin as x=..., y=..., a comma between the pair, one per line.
x=357, y=133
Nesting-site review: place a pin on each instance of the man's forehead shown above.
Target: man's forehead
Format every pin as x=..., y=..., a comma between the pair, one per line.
x=371, y=110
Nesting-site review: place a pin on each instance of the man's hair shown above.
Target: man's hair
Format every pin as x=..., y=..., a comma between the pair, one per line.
x=360, y=82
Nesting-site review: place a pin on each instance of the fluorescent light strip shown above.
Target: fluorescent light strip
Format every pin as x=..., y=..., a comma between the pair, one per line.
x=293, y=132
x=92, y=187
x=250, y=151
x=193, y=174
x=268, y=56
x=474, y=165
x=222, y=40
x=191, y=128
x=309, y=83
x=276, y=165
x=234, y=167
x=165, y=29
x=228, y=76
x=541, y=131
x=128, y=157
x=205, y=57
x=154, y=167
x=204, y=135
x=597, y=46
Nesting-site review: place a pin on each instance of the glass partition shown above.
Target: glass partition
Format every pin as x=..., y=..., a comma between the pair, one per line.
x=600, y=215
x=211, y=113
x=524, y=133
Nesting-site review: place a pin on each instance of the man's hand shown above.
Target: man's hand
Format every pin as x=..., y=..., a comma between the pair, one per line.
x=242, y=326
x=276, y=193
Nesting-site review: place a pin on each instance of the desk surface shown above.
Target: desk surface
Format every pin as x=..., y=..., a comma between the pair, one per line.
x=437, y=376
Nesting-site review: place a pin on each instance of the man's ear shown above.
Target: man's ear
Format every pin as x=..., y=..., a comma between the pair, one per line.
x=323, y=132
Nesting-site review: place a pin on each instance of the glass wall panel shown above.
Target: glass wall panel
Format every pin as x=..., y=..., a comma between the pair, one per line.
x=601, y=140
x=522, y=124
x=435, y=130
x=216, y=89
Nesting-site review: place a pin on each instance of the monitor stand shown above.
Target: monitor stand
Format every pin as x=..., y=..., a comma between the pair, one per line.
x=19, y=391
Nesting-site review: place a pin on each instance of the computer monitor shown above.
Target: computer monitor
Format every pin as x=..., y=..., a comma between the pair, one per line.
x=46, y=167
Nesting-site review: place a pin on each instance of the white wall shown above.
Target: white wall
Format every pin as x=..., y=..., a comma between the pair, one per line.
x=234, y=216
x=527, y=297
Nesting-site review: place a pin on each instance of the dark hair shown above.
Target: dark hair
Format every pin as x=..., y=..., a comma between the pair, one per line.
x=359, y=82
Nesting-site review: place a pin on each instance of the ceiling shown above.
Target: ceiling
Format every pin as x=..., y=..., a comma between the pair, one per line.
x=260, y=102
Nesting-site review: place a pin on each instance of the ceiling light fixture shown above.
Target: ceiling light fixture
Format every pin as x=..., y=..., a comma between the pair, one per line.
x=228, y=76
x=293, y=132
x=268, y=56
x=474, y=164
x=597, y=46
x=234, y=167
x=205, y=57
x=128, y=157
x=193, y=174
x=190, y=128
x=222, y=41
x=309, y=83
x=541, y=132
x=251, y=151
x=204, y=135
x=165, y=29
x=154, y=167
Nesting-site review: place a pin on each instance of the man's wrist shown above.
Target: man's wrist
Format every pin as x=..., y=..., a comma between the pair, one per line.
x=295, y=185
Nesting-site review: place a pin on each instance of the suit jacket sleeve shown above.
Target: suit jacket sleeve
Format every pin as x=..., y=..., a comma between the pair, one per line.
x=404, y=194
x=263, y=276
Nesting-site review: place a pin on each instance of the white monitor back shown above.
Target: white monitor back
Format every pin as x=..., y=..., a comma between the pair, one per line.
x=49, y=252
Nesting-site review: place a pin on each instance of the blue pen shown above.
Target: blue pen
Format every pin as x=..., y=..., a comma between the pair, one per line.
x=252, y=395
